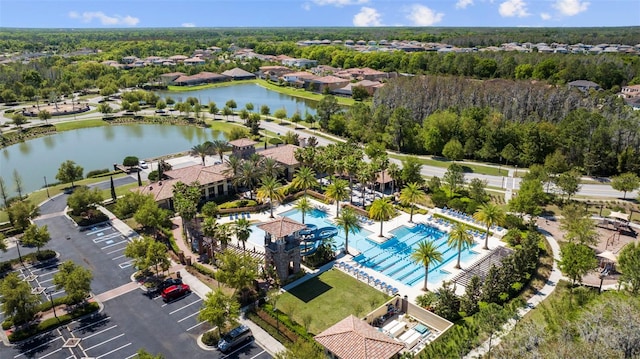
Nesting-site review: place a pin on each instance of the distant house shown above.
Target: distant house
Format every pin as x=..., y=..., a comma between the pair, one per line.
x=298, y=78
x=630, y=91
x=634, y=102
x=201, y=78
x=300, y=62
x=285, y=156
x=330, y=83
x=178, y=58
x=194, y=61
x=584, y=85
x=242, y=147
x=369, y=86
x=168, y=78
x=272, y=73
x=129, y=59
x=239, y=74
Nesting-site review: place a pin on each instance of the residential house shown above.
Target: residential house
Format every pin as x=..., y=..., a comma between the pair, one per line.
x=168, y=78
x=630, y=91
x=242, y=148
x=272, y=73
x=239, y=74
x=177, y=58
x=330, y=83
x=194, y=61
x=369, y=86
x=305, y=63
x=298, y=78
x=584, y=85
x=129, y=59
x=200, y=78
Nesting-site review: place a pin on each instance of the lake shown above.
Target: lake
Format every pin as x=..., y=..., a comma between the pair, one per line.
x=94, y=148
x=243, y=94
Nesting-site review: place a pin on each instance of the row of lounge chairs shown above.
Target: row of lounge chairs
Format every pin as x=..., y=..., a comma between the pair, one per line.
x=411, y=337
x=243, y=215
x=365, y=220
x=465, y=217
x=360, y=274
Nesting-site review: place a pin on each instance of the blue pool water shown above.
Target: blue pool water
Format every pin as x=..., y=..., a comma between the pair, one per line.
x=391, y=258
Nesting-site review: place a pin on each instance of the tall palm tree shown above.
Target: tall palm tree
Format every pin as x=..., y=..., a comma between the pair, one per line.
x=223, y=234
x=351, y=164
x=381, y=210
x=337, y=191
x=303, y=205
x=271, y=167
x=243, y=231
x=425, y=254
x=394, y=171
x=218, y=147
x=271, y=190
x=348, y=221
x=489, y=214
x=304, y=179
x=201, y=150
x=247, y=177
x=460, y=239
x=410, y=195
x=209, y=230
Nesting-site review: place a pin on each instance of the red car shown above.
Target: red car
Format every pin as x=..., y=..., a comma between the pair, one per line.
x=175, y=291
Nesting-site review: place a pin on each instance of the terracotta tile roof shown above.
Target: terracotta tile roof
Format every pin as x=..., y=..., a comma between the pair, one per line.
x=282, y=227
x=242, y=142
x=283, y=154
x=159, y=190
x=353, y=338
x=330, y=79
x=201, y=174
x=238, y=72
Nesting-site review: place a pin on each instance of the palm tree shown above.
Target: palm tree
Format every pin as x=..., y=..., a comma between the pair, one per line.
x=247, y=177
x=489, y=214
x=200, y=150
x=460, y=239
x=426, y=254
x=411, y=194
x=381, y=210
x=348, y=221
x=209, y=230
x=303, y=205
x=271, y=167
x=337, y=191
x=218, y=147
x=243, y=231
x=394, y=172
x=223, y=233
x=304, y=179
x=271, y=190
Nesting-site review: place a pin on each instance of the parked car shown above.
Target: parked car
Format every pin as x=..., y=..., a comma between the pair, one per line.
x=175, y=292
x=168, y=283
x=142, y=164
x=237, y=336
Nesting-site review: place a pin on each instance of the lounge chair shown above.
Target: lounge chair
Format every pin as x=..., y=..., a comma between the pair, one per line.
x=387, y=328
x=231, y=216
x=399, y=328
x=248, y=215
x=413, y=339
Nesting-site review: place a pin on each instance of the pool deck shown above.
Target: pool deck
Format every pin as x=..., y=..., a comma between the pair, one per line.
x=401, y=220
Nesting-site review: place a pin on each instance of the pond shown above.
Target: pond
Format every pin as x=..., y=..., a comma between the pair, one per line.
x=94, y=148
x=243, y=94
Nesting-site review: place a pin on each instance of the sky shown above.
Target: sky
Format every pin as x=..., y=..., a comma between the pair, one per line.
x=343, y=13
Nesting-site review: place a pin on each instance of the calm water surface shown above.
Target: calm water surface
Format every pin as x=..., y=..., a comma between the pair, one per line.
x=95, y=148
x=243, y=94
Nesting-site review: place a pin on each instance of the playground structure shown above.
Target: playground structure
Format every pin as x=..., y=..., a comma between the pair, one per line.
x=312, y=237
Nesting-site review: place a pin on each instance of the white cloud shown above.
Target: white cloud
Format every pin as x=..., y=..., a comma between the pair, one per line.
x=367, y=17
x=340, y=3
x=571, y=7
x=511, y=8
x=306, y=6
x=188, y=24
x=89, y=16
x=462, y=4
x=421, y=15
x=545, y=16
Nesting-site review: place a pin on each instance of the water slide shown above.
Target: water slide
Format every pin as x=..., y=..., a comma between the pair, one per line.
x=313, y=238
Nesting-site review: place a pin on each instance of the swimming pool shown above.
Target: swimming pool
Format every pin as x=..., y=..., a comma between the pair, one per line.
x=391, y=258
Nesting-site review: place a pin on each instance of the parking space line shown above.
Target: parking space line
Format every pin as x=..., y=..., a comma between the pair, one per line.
x=98, y=231
x=44, y=268
x=132, y=356
x=38, y=347
x=111, y=245
x=190, y=304
x=118, y=257
x=114, y=350
x=92, y=324
x=237, y=350
x=197, y=325
x=105, y=342
x=185, y=318
x=44, y=281
x=126, y=264
x=106, y=238
x=100, y=332
x=255, y=356
x=117, y=250
x=53, y=352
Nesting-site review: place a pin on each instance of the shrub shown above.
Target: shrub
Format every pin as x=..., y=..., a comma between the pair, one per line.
x=51, y=323
x=211, y=338
x=7, y=324
x=512, y=221
x=45, y=254
x=238, y=204
x=96, y=173
x=275, y=141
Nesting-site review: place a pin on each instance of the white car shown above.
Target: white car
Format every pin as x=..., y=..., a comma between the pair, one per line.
x=143, y=164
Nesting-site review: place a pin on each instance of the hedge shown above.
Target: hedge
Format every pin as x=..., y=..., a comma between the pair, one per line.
x=51, y=323
x=41, y=256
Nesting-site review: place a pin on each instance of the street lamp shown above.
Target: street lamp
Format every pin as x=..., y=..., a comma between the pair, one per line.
x=53, y=306
x=46, y=186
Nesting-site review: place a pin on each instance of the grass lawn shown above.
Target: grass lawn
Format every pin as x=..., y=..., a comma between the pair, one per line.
x=74, y=125
x=329, y=298
x=208, y=86
x=468, y=168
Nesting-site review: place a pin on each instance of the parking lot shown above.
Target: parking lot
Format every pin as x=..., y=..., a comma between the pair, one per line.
x=111, y=243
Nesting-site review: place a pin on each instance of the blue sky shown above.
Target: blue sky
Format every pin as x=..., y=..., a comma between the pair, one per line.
x=270, y=13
